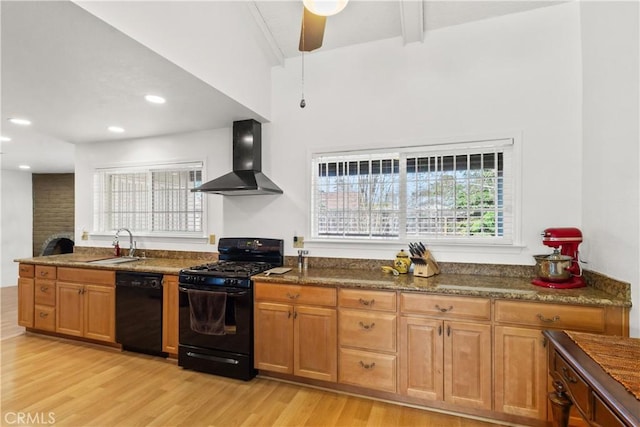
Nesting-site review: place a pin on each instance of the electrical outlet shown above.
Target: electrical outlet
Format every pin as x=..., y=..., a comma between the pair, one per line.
x=85, y=235
x=212, y=239
x=298, y=242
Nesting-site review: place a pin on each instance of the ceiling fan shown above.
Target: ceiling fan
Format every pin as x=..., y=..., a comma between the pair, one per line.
x=314, y=19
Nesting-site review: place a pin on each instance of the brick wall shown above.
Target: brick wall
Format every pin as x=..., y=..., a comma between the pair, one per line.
x=53, y=207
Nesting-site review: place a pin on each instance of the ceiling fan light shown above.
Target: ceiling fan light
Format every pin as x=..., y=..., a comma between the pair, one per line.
x=325, y=7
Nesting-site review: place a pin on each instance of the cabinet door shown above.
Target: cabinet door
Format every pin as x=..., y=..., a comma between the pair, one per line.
x=99, y=313
x=421, y=358
x=467, y=364
x=170, y=309
x=315, y=343
x=273, y=340
x=25, y=302
x=521, y=372
x=69, y=308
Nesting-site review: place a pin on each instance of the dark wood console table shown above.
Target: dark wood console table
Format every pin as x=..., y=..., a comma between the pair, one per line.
x=578, y=380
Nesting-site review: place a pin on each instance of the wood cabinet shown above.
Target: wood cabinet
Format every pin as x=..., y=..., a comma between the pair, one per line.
x=521, y=380
x=26, y=296
x=295, y=330
x=45, y=298
x=443, y=354
x=368, y=339
x=170, y=314
x=85, y=303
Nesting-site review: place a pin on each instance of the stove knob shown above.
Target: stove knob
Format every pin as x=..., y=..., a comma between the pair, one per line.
x=202, y=279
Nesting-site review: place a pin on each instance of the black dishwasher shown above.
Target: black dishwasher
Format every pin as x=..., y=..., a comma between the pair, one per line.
x=139, y=312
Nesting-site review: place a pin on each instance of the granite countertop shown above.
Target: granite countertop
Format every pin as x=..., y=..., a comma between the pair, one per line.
x=148, y=265
x=505, y=283
x=518, y=288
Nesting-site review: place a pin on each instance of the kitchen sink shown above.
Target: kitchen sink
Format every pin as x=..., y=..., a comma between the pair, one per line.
x=118, y=260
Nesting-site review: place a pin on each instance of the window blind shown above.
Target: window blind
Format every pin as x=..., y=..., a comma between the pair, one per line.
x=446, y=192
x=149, y=199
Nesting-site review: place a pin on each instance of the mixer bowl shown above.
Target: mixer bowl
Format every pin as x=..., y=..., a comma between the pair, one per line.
x=553, y=268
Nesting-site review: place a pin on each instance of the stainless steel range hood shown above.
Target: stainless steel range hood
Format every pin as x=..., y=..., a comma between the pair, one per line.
x=247, y=178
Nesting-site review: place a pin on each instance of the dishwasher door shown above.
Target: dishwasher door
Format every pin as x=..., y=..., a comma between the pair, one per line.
x=139, y=312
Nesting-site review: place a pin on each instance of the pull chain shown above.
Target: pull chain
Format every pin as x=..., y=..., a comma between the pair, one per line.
x=302, y=101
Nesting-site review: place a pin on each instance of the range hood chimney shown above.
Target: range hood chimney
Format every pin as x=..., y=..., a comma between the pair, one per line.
x=247, y=178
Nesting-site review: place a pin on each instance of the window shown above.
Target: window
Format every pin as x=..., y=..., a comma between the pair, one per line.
x=150, y=199
x=453, y=192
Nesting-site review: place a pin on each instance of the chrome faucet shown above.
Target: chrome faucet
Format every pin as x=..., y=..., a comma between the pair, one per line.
x=132, y=244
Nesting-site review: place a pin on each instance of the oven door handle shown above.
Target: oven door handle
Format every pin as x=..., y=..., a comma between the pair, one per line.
x=230, y=294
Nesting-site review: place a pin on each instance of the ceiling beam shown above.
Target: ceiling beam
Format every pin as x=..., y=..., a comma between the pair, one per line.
x=412, y=20
x=276, y=57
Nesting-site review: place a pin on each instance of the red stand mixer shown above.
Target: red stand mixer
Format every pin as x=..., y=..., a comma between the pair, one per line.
x=561, y=269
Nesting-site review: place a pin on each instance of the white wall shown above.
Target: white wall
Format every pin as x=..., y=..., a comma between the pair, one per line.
x=213, y=147
x=215, y=41
x=17, y=223
x=520, y=73
x=611, y=191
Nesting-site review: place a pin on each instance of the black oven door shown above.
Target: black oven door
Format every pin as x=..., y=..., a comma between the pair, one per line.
x=230, y=354
x=238, y=334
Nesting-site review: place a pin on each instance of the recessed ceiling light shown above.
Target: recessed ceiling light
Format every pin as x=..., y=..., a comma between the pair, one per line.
x=5, y=139
x=115, y=129
x=24, y=167
x=155, y=99
x=21, y=122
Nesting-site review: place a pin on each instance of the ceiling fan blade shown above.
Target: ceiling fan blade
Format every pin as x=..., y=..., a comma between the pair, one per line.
x=312, y=31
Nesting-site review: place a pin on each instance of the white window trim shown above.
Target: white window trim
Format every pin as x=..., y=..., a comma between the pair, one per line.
x=516, y=245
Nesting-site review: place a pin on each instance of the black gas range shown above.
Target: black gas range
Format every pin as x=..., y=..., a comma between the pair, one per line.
x=216, y=307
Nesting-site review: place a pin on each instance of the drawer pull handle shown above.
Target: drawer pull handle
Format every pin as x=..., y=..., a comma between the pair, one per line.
x=367, y=365
x=42, y=314
x=44, y=288
x=367, y=303
x=567, y=376
x=546, y=319
x=367, y=327
x=44, y=273
x=444, y=310
x=290, y=296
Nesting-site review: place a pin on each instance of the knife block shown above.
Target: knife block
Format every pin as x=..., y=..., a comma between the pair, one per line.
x=425, y=266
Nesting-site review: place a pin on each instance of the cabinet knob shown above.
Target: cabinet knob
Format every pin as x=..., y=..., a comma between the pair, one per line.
x=366, y=303
x=367, y=365
x=546, y=319
x=367, y=326
x=443, y=310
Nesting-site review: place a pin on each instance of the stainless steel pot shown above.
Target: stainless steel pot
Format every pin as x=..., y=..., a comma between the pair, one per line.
x=554, y=267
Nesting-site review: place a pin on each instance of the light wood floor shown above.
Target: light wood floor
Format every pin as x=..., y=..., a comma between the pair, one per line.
x=79, y=384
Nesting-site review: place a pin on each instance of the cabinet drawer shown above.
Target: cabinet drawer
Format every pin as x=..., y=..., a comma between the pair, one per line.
x=369, y=330
x=557, y=316
x=26, y=270
x=367, y=300
x=446, y=306
x=45, y=292
x=296, y=294
x=45, y=318
x=45, y=272
x=366, y=369
x=87, y=275
x=603, y=416
x=578, y=389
